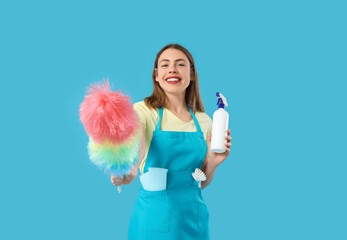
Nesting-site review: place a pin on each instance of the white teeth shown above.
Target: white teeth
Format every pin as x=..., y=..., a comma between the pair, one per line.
x=172, y=79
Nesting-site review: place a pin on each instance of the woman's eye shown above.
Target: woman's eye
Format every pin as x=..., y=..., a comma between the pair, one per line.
x=180, y=64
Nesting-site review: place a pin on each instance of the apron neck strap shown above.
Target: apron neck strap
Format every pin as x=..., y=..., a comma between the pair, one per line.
x=160, y=112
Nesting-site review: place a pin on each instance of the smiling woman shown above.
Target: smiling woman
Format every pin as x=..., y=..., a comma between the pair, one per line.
x=174, y=68
x=173, y=60
x=176, y=137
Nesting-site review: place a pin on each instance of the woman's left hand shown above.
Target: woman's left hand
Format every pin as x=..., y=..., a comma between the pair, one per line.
x=217, y=158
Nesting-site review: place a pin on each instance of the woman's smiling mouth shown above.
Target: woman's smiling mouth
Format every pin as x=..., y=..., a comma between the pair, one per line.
x=172, y=80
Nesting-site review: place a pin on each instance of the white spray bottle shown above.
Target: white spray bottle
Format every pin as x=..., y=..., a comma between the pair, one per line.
x=219, y=125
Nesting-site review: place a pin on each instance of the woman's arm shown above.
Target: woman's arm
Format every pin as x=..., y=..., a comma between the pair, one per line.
x=213, y=160
x=209, y=169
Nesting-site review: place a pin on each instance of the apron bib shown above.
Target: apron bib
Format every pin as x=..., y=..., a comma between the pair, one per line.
x=179, y=212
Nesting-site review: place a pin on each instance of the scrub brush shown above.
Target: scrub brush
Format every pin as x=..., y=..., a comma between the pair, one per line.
x=199, y=176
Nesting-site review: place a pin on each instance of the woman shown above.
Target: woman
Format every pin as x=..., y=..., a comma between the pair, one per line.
x=176, y=136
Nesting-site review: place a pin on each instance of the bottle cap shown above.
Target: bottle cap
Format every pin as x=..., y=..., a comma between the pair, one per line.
x=222, y=102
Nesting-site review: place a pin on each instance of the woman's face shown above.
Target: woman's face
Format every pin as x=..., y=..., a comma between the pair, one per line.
x=173, y=72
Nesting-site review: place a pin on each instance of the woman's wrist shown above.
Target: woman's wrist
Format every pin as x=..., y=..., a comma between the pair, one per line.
x=212, y=164
x=129, y=178
x=209, y=163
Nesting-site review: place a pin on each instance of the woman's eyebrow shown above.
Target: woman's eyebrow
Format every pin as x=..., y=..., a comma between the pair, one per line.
x=180, y=59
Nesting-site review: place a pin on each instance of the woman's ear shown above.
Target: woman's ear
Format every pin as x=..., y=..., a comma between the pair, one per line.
x=156, y=74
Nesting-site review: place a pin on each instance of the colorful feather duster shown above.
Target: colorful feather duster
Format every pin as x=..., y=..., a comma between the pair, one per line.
x=113, y=129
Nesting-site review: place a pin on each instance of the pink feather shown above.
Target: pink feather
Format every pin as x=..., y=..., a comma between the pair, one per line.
x=108, y=115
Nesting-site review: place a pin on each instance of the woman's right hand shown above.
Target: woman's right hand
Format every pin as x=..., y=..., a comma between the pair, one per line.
x=118, y=181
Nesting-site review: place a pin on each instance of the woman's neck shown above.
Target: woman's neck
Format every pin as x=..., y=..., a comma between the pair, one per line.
x=177, y=103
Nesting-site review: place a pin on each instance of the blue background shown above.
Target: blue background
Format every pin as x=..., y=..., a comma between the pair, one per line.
x=281, y=65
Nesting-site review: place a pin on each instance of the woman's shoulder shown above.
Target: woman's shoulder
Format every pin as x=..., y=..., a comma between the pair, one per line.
x=145, y=113
x=205, y=123
x=203, y=117
x=142, y=105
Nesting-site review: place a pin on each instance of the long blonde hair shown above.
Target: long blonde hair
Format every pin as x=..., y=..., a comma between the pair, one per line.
x=192, y=96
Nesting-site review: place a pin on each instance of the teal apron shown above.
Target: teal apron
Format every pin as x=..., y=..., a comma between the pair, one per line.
x=179, y=212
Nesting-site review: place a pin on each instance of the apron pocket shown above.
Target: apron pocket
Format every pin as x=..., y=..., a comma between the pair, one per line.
x=151, y=211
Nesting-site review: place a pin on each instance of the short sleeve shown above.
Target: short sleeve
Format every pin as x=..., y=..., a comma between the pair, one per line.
x=205, y=123
x=141, y=111
x=209, y=129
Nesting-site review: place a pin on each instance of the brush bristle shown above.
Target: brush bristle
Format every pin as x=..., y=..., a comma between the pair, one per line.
x=108, y=115
x=115, y=159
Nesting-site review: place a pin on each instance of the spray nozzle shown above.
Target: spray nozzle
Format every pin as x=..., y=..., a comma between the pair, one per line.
x=222, y=102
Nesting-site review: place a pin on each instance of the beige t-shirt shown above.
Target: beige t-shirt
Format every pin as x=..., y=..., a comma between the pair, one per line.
x=170, y=122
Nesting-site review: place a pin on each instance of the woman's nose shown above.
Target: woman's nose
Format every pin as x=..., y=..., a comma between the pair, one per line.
x=172, y=69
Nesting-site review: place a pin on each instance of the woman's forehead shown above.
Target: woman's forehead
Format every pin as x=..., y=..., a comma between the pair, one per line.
x=172, y=54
